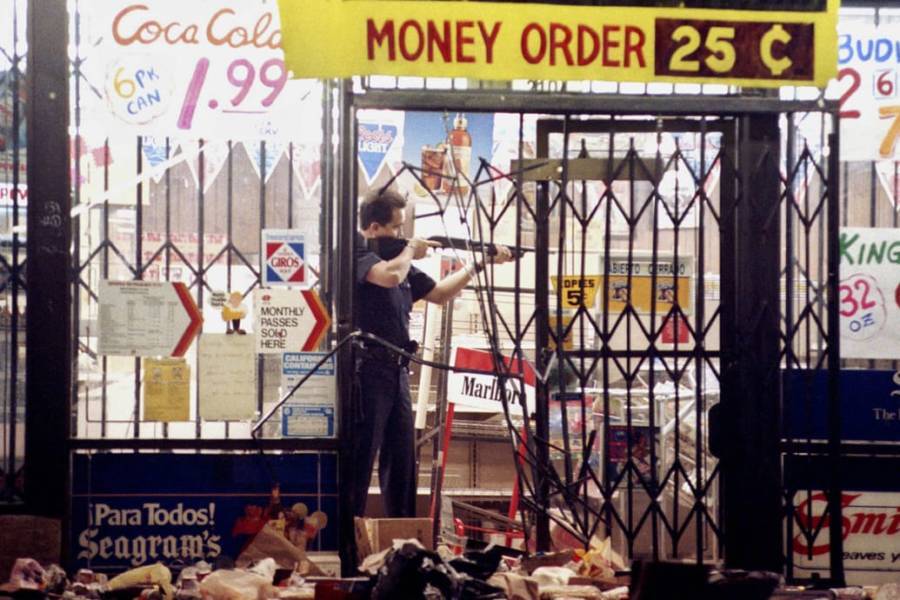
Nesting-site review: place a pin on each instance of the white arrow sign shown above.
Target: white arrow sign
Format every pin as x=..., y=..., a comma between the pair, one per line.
x=288, y=320
x=146, y=318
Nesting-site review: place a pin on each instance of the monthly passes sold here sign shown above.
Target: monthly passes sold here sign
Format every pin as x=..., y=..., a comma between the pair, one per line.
x=504, y=41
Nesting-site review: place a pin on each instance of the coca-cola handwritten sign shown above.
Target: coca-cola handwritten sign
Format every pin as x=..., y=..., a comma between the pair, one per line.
x=201, y=69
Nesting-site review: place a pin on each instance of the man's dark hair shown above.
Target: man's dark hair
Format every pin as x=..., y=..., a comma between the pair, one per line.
x=378, y=207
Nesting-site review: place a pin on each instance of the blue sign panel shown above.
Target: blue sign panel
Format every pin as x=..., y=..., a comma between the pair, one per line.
x=870, y=405
x=135, y=509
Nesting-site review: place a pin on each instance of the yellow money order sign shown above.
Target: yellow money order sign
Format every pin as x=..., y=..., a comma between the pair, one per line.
x=514, y=40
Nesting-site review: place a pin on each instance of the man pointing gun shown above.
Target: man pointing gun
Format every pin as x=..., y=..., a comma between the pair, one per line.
x=387, y=286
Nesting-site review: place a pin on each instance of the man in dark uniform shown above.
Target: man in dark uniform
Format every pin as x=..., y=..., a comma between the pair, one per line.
x=386, y=290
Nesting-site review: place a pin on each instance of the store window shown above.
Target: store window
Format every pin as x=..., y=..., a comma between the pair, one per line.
x=13, y=203
x=186, y=148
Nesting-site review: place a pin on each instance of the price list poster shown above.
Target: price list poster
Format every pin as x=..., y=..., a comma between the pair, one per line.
x=189, y=70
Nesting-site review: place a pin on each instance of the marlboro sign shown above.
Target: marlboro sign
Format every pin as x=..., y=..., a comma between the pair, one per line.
x=486, y=391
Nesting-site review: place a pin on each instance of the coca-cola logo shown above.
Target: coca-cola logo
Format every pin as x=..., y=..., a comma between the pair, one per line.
x=135, y=25
x=881, y=521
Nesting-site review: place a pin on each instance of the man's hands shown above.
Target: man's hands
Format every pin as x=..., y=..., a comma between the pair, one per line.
x=420, y=247
x=503, y=255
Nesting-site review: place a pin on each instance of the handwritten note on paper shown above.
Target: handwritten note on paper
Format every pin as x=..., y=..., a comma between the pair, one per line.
x=227, y=365
x=166, y=389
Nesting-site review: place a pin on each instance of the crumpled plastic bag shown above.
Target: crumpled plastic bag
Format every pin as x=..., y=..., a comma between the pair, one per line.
x=888, y=591
x=600, y=561
x=517, y=587
x=155, y=574
x=27, y=574
x=409, y=571
x=269, y=543
x=553, y=575
x=237, y=584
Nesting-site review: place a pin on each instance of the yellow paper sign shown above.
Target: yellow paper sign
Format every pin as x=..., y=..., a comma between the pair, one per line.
x=166, y=389
x=641, y=295
x=504, y=41
x=577, y=291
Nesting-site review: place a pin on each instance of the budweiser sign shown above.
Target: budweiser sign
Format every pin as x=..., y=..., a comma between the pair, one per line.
x=870, y=528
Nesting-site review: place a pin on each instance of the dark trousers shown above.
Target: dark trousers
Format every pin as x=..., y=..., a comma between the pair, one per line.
x=385, y=422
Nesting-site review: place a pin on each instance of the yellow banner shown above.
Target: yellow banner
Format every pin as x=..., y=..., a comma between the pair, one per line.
x=503, y=41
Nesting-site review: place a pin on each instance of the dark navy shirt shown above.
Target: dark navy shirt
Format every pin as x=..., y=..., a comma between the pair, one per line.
x=385, y=311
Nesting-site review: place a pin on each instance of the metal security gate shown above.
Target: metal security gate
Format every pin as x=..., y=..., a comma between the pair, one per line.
x=13, y=194
x=665, y=308
x=619, y=212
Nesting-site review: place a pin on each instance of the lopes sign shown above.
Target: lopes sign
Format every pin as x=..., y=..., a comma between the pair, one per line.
x=492, y=40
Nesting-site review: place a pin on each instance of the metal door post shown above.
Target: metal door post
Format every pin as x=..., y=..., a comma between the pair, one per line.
x=751, y=466
x=48, y=314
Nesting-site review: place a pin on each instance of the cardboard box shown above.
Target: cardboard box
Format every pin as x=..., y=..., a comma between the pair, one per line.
x=328, y=562
x=375, y=535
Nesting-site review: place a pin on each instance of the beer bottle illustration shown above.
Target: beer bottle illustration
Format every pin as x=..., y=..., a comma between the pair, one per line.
x=459, y=145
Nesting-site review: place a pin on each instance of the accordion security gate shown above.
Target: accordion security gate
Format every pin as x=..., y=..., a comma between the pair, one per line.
x=670, y=243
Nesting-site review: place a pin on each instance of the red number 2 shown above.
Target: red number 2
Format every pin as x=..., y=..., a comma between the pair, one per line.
x=856, y=80
x=866, y=303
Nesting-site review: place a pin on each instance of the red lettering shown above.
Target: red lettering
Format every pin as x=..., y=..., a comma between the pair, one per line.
x=260, y=29
x=125, y=40
x=807, y=521
x=861, y=522
x=238, y=36
x=872, y=523
x=284, y=261
x=150, y=30
x=489, y=39
x=404, y=47
x=373, y=36
x=526, y=50
x=634, y=46
x=895, y=524
x=585, y=58
x=235, y=38
x=462, y=41
x=560, y=44
x=435, y=40
x=608, y=44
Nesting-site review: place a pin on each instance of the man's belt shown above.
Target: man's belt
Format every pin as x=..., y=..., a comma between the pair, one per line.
x=375, y=351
